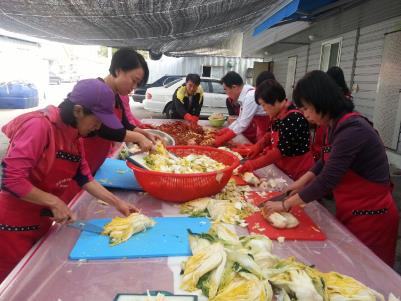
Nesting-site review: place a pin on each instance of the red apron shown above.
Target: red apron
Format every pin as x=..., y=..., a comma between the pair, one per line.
x=257, y=128
x=318, y=141
x=97, y=149
x=367, y=209
x=295, y=166
x=21, y=225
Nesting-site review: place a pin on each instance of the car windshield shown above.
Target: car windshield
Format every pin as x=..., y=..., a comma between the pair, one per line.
x=159, y=81
x=170, y=79
x=172, y=83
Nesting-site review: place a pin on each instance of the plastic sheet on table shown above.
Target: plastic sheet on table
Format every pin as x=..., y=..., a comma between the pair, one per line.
x=47, y=274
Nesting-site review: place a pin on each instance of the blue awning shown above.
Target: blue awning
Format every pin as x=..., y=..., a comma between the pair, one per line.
x=297, y=10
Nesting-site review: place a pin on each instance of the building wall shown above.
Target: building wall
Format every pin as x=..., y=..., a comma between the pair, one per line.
x=369, y=57
x=281, y=64
x=307, y=63
x=347, y=53
x=362, y=29
x=341, y=20
x=369, y=47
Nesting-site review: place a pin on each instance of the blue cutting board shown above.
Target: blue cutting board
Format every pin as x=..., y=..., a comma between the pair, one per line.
x=116, y=174
x=168, y=237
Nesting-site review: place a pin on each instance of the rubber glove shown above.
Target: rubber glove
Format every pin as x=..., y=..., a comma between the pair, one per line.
x=259, y=146
x=265, y=159
x=222, y=131
x=191, y=118
x=227, y=135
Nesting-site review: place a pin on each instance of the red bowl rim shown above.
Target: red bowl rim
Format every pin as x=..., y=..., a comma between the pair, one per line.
x=185, y=175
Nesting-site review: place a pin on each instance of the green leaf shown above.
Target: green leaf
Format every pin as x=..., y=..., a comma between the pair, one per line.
x=203, y=283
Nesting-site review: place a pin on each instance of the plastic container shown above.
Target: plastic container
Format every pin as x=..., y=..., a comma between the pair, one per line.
x=216, y=122
x=184, y=187
x=167, y=138
x=18, y=95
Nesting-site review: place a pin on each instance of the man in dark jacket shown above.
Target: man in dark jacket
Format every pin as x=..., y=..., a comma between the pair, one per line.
x=187, y=100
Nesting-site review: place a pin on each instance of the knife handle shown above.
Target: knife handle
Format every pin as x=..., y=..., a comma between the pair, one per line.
x=288, y=192
x=46, y=212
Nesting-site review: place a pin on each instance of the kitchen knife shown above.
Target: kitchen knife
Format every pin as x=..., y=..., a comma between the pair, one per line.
x=277, y=198
x=79, y=224
x=85, y=226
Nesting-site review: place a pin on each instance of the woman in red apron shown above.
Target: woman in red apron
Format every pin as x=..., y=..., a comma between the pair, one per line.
x=44, y=156
x=320, y=133
x=287, y=144
x=128, y=70
x=354, y=167
x=252, y=121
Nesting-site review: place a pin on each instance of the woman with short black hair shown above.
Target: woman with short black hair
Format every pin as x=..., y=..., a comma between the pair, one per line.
x=354, y=167
x=128, y=70
x=287, y=144
x=337, y=74
x=320, y=132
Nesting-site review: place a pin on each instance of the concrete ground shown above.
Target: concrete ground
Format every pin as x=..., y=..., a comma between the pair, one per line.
x=56, y=93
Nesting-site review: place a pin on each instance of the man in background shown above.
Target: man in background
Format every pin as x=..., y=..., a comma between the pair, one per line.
x=187, y=100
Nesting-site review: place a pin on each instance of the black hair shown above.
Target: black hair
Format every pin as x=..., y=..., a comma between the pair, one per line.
x=67, y=112
x=232, y=78
x=128, y=59
x=270, y=91
x=195, y=78
x=265, y=75
x=319, y=90
x=337, y=74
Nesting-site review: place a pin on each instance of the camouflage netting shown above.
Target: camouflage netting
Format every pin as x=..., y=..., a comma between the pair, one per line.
x=164, y=26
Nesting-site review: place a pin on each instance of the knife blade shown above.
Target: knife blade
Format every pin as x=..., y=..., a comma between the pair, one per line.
x=277, y=198
x=79, y=224
x=85, y=226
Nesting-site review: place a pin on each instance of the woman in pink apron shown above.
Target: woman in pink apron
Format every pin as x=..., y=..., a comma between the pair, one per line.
x=287, y=145
x=128, y=69
x=353, y=166
x=44, y=156
x=125, y=99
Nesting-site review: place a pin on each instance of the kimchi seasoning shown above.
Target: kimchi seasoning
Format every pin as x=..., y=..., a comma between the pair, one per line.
x=185, y=134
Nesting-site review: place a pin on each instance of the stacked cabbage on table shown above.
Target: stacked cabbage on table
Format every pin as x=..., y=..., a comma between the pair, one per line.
x=227, y=267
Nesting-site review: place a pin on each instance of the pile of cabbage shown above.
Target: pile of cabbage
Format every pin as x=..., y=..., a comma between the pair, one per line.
x=189, y=164
x=120, y=229
x=227, y=267
x=229, y=206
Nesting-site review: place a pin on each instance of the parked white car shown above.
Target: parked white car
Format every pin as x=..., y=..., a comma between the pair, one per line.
x=214, y=97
